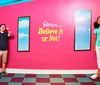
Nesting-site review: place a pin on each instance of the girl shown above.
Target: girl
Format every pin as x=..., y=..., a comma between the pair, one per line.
x=97, y=46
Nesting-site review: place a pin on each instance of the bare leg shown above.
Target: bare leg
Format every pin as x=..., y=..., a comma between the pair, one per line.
x=4, y=60
x=98, y=72
x=3, y=67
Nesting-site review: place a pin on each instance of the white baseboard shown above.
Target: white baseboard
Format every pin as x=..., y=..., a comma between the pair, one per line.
x=35, y=71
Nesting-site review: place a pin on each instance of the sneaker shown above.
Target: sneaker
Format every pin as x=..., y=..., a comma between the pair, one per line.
x=4, y=73
x=94, y=76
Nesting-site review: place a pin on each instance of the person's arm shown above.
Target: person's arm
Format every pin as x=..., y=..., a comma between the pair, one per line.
x=94, y=41
x=9, y=34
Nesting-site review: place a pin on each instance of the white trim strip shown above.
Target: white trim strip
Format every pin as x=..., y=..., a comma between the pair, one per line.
x=35, y=71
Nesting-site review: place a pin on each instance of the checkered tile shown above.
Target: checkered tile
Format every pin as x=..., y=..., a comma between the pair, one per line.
x=52, y=79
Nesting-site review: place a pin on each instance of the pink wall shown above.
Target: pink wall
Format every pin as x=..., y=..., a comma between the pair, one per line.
x=52, y=55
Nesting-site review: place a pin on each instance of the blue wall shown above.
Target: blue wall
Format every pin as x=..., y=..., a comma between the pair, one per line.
x=10, y=2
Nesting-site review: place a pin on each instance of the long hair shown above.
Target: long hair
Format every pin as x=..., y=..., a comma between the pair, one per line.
x=96, y=25
x=98, y=18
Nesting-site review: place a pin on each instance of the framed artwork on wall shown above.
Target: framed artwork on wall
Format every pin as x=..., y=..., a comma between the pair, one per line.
x=82, y=31
x=23, y=34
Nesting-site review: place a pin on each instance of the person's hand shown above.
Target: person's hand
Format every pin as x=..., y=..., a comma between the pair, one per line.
x=7, y=28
